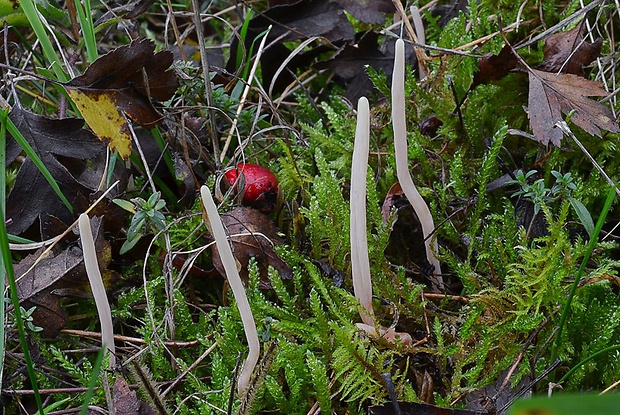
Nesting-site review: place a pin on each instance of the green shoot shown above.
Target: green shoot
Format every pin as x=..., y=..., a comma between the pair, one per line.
x=10, y=276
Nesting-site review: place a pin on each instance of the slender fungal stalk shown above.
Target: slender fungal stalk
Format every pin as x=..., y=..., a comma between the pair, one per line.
x=402, y=165
x=360, y=265
x=232, y=274
x=96, y=286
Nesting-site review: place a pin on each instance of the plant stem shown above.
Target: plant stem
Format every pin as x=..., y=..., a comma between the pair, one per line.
x=10, y=276
x=580, y=272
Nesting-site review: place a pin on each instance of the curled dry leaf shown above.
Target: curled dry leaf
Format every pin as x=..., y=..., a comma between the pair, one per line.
x=253, y=235
x=568, y=52
x=123, y=81
x=494, y=67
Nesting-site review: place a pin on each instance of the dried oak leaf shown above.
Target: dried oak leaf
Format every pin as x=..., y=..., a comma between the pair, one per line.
x=64, y=147
x=55, y=276
x=123, y=82
x=568, y=52
x=551, y=95
x=253, y=235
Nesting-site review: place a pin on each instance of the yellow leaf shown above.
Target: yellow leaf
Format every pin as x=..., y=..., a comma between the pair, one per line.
x=104, y=118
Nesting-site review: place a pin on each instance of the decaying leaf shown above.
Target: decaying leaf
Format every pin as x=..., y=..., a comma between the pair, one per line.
x=53, y=277
x=568, y=52
x=372, y=12
x=349, y=64
x=126, y=402
x=300, y=20
x=123, y=82
x=253, y=235
x=494, y=67
x=551, y=95
x=63, y=146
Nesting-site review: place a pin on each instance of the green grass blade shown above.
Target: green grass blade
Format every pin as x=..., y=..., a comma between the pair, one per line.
x=88, y=29
x=580, y=272
x=92, y=382
x=587, y=359
x=17, y=135
x=39, y=29
x=3, y=117
x=570, y=404
x=10, y=276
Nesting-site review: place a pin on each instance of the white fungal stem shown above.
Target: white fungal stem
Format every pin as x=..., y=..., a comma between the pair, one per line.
x=232, y=274
x=360, y=265
x=402, y=165
x=96, y=286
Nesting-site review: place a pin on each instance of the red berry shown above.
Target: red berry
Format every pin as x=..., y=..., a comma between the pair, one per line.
x=260, y=185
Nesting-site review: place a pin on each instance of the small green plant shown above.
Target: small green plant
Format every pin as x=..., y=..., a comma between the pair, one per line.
x=563, y=189
x=146, y=218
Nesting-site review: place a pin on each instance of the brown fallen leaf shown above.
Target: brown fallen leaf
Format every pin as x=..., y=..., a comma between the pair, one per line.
x=126, y=401
x=63, y=146
x=123, y=81
x=372, y=12
x=55, y=276
x=299, y=20
x=568, y=52
x=494, y=67
x=350, y=63
x=253, y=235
x=551, y=95
x=406, y=243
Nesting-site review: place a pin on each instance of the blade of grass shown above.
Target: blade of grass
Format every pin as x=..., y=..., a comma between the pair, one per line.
x=161, y=143
x=580, y=272
x=88, y=29
x=3, y=117
x=241, y=45
x=17, y=135
x=48, y=50
x=10, y=276
x=92, y=382
x=587, y=359
x=16, y=239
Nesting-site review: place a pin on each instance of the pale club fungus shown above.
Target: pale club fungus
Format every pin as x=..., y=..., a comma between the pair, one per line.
x=96, y=285
x=402, y=165
x=234, y=280
x=360, y=264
